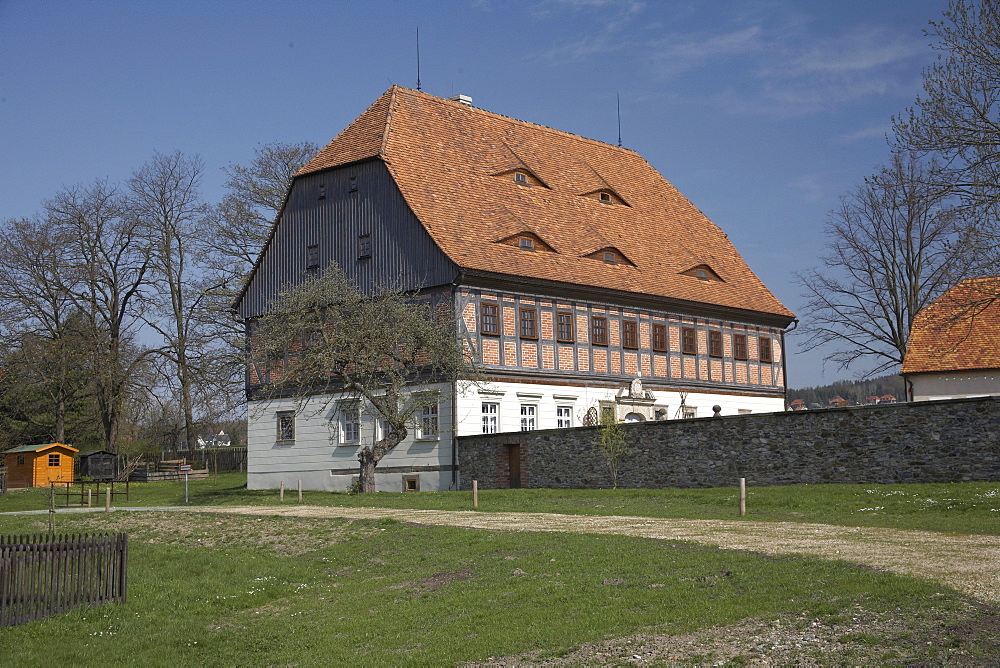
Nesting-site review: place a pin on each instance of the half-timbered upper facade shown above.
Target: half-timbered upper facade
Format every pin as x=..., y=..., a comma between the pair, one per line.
x=582, y=279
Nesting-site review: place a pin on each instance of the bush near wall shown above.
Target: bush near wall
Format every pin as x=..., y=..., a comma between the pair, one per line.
x=928, y=441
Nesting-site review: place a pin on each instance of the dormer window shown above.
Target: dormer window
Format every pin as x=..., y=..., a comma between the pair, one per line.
x=520, y=178
x=611, y=255
x=703, y=273
x=527, y=241
x=605, y=198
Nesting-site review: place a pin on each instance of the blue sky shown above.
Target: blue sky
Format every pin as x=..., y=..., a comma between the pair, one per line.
x=763, y=113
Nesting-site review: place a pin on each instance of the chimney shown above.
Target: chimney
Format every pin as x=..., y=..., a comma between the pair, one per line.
x=464, y=100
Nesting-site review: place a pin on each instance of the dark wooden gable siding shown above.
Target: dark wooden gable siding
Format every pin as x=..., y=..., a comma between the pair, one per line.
x=331, y=210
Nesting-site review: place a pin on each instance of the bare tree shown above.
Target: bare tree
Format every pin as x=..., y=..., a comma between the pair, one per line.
x=107, y=275
x=958, y=116
x=234, y=235
x=254, y=196
x=164, y=197
x=895, y=244
x=323, y=337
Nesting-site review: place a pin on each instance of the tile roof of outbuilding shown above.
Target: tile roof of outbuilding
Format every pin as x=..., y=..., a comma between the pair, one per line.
x=447, y=160
x=959, y=331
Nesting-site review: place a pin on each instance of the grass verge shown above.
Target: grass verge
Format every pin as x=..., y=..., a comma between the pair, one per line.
x=237, y=590
x=972, y=507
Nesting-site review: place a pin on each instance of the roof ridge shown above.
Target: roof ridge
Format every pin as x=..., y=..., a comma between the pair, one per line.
x=518, y=120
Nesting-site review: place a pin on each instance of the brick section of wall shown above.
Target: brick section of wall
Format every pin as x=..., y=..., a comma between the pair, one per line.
x=584, y=359
x=491, y=351
x=660, y=365
x=529, y=355
x=566, y=358
x=547, y=324
x=548, y=357
x=509, y=321
x=469, y=316
x=509, y=353
x=632, y=364
x=582, y=329
x=928, y=441
x=601, y=361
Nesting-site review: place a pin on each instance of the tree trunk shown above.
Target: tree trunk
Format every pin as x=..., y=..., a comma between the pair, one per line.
x=366, y=479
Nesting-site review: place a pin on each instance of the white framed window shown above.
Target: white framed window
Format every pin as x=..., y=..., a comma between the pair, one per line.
x=688, y=412
x=564, y=417
x=428, y=422
x=491, y=417
x=350, y=424
x=285, y=423
x=529, y=414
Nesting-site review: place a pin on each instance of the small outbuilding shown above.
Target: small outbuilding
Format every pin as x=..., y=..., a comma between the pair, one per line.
x=98, y=465
x=37, y=465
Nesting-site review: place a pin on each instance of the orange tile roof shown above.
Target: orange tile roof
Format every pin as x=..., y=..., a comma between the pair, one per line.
x=448, y=161
x=958, y=331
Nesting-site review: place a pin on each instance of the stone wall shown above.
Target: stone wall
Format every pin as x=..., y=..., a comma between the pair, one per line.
x=928, y=441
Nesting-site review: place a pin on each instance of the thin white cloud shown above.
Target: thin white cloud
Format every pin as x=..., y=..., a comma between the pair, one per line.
x=811, y=186
x=872, y=132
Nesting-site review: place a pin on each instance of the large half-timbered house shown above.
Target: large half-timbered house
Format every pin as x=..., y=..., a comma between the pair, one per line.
x=582, y=279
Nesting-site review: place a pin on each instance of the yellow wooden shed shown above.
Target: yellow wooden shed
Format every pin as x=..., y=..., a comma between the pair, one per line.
x=37, y=465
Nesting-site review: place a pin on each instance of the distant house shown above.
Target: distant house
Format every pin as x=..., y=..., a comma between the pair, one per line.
x=887, y=399
x=954, y=348
x=872, y=400
x=37, y=465
x=220, y=440
x=838, y=402
x=798, y=405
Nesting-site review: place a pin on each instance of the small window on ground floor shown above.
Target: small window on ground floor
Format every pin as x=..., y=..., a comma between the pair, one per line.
x=529, y=413
x=285, y=425
x=491, y=417
x=429, y=421
x=564, y=417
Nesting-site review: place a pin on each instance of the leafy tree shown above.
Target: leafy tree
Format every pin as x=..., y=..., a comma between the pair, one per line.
x=895, y=244
x=612, y=444
x=323, y=337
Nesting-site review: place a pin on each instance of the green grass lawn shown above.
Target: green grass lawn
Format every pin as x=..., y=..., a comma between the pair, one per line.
x=241, y=590
x=952, y=507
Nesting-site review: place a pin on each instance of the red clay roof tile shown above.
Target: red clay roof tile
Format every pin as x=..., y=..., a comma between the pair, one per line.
x=959, y=331
x=445, y=156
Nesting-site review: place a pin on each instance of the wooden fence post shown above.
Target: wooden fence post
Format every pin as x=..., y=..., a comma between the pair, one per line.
x=300, y=490
x=90, y=501
x=107, y=499
x=281, y=491
x=743, y=497
x=475, y=493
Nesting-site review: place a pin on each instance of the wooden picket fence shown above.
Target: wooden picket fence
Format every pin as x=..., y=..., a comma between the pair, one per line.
x=46, y=575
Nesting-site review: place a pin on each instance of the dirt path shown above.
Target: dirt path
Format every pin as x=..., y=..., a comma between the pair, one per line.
x=969, y=563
